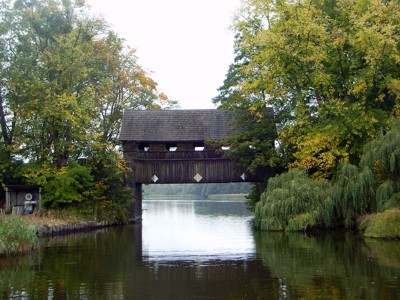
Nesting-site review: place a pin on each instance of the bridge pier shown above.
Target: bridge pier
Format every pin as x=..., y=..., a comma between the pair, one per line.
x=135, y=208
x=136, y=211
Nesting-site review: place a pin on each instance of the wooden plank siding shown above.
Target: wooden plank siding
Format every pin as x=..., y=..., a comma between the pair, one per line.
x=183, y=171
x=182, y=166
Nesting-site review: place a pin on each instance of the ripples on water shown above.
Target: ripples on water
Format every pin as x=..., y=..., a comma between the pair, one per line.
x=203, y=250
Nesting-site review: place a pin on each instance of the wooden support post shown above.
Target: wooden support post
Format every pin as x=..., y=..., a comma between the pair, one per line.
x=262, y=186
x=135, y=208
x=8, y=199
x=137, y=205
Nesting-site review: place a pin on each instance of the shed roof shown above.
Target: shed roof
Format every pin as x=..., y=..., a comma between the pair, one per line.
x=175, y=125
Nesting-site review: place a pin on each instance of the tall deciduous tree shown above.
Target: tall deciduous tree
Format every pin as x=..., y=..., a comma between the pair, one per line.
x=66, y=78
x=120, y=83
x=330, y=69
x=252, y=147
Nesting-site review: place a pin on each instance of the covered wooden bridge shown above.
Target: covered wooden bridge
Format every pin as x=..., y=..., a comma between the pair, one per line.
x=170, y=146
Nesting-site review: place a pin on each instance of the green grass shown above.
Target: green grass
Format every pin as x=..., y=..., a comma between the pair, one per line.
x=16, y=236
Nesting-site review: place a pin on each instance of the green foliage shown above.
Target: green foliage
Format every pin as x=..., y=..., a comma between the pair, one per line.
x=65, y=80
x=63, y=187
x=328, y=69
x=254, y=197
x=16, y=236
x=97, y=190
x=375, y=186
x=384, y=225
x=113, y=212
x=383, y=153
x=252, y=147
x=386, y=197
x=382, y=156
x=293, y=201
x=111, y=196
x=353, y=193
x=301, y=222
x=109, y=173
x=356, y=191
x=10, y=169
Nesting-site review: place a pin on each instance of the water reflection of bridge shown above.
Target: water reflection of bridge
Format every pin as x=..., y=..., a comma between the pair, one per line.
x=170, y=146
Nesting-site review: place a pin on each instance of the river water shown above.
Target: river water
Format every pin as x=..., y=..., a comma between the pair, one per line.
x=203, y=250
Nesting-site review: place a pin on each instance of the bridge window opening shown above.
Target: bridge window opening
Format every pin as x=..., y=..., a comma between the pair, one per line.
x=199, y=146
x=171, y=147
x=143, y=147
x=226, y=148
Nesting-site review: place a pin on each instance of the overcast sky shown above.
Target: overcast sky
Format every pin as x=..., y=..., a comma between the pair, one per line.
x=185, y=45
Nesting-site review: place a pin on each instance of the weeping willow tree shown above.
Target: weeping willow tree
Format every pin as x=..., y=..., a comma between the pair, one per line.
x=353, y=193
x=382, y=156
x=295, y=202
x=375, y=184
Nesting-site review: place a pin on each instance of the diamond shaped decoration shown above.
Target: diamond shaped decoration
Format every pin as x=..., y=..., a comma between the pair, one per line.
x=154, y=178
x=244, y=177
x=198, y=177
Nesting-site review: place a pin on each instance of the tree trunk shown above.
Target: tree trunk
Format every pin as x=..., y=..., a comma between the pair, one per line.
x=4, y=128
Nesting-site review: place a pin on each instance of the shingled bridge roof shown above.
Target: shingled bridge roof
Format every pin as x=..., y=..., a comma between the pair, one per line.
x=175, y=125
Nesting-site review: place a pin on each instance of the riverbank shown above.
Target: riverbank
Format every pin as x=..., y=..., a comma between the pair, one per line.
x=45, y=227
x=19, y=234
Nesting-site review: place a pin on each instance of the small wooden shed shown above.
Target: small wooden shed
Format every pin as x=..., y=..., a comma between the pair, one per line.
x=22, y=199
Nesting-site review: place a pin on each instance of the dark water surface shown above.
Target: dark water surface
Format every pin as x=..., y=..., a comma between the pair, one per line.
x=203, y=250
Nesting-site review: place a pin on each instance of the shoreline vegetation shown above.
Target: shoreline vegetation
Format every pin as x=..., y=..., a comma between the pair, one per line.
x=20, y=234
x=365, y=196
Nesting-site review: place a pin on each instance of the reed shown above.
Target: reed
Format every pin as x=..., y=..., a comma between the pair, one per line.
x=16, y=236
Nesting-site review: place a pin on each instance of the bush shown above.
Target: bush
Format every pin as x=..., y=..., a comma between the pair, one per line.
x=384, y=225
x=254, y=197
x=16, y=236
x=113, y=213
x=62, y=187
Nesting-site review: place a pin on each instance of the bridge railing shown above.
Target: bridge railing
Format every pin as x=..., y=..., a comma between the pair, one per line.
x=175, y=155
